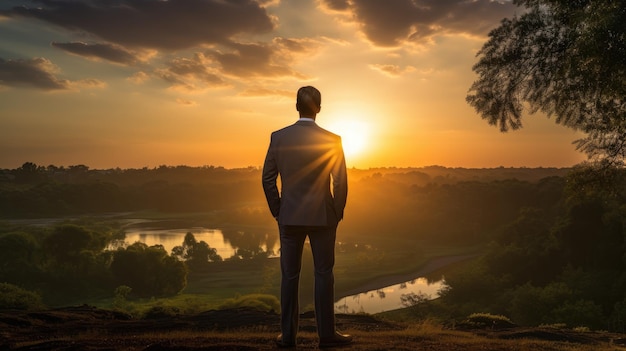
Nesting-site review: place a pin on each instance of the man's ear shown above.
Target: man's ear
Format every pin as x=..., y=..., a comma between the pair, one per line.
x=297, y=108
x=319, y=109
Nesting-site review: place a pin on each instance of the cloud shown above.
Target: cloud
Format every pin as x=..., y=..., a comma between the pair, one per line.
x=394, y=23
x=164, y=25
x=133, y=32
x=242, y=61
x=89, y=83
x=139, y=77
x=191, y=74
x=262, y=92
x=36, y=73
x=108, y=52
x=336, y=5
x=265, y=59
x=392, y=70
x=186, y=102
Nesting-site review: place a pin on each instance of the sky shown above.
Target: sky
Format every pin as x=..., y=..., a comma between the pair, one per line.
x=146, y=83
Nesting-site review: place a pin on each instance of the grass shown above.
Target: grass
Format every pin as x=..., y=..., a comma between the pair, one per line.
x=422, y=336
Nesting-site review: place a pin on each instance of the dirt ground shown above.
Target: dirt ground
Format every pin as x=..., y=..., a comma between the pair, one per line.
x=89, y=328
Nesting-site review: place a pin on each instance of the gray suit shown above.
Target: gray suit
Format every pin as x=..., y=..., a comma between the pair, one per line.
x=308, y=159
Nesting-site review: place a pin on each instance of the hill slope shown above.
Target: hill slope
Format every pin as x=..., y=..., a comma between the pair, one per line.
x=88, y=328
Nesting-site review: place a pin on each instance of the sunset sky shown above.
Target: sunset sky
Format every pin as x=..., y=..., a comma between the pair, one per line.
x=144, y=83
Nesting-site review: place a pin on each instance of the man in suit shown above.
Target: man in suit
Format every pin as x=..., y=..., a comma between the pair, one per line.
x=308, y=160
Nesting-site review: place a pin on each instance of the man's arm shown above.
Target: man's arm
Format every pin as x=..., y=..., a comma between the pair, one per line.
x=340, y=180
x=269, y=177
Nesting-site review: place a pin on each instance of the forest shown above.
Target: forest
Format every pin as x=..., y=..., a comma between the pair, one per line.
x=549, y=242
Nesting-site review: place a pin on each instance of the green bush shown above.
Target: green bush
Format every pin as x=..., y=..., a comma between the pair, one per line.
x=14, y=297
x=580, y=313
x=488, y=320
x=261, y=302
x=161, y=311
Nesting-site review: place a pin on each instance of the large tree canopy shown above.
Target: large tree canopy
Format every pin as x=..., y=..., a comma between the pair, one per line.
x=565, y=58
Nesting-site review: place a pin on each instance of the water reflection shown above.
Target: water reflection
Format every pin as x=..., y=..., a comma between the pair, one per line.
x=388, y=298
x=169, y=238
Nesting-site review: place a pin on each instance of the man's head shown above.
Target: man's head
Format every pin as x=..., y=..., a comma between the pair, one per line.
x=308, y=101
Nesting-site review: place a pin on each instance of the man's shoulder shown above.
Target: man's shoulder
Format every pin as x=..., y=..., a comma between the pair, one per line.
x=330, y=133
x=296, y=128
x=282, y=130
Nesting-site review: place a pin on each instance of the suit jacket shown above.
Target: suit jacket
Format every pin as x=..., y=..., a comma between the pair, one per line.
x=308, y=159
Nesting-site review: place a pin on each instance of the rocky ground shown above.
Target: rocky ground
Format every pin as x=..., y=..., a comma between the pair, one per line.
x=89, y=328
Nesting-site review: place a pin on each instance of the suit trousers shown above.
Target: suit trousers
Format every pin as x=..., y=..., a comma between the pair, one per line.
x=322, y=239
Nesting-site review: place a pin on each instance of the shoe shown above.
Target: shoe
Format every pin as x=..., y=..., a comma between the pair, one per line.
x=336, y=340
x=282, y=344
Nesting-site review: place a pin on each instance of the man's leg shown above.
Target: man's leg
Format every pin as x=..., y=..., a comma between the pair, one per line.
x=323, y=248
x=291, y=245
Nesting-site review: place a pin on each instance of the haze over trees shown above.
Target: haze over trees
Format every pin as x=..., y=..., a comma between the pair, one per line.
x=566, y=59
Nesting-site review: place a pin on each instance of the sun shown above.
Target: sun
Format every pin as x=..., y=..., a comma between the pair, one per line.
x=354, y=136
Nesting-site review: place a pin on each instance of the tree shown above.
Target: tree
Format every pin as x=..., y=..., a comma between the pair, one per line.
x=17, y=257
x=196, y=254
x=69, y=243
x=14, y=297
x=29, y=172
x=149, y=271
x=566, y=59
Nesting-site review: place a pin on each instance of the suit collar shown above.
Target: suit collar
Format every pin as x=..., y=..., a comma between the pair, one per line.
x=306, y=121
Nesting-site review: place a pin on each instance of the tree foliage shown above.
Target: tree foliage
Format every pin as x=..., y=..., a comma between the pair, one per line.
x=567, y=267
x=197, y=254
x=148, y=270
x=14, y=297
x=566, y=59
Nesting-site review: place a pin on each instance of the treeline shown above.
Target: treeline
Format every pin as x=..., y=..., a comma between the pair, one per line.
x=32, y=191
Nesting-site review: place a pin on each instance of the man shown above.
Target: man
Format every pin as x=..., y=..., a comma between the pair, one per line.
x=307, y=158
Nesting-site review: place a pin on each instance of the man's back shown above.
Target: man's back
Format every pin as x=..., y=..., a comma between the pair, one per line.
x=306, y=156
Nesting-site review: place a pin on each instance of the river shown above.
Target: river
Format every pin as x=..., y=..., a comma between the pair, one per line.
x=169, y=238
x=387, y=298
x=384, y=294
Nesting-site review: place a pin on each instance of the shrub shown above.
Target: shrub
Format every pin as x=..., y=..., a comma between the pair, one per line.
x=580, y=313
x=157, y=312
x=554, y=326
x=261, y=302
x=14, y=297
x=487, y=320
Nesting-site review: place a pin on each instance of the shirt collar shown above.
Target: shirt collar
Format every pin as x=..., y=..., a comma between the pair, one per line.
x=306, y=119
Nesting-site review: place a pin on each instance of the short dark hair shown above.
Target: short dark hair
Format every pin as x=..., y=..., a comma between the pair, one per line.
x=308, y=101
